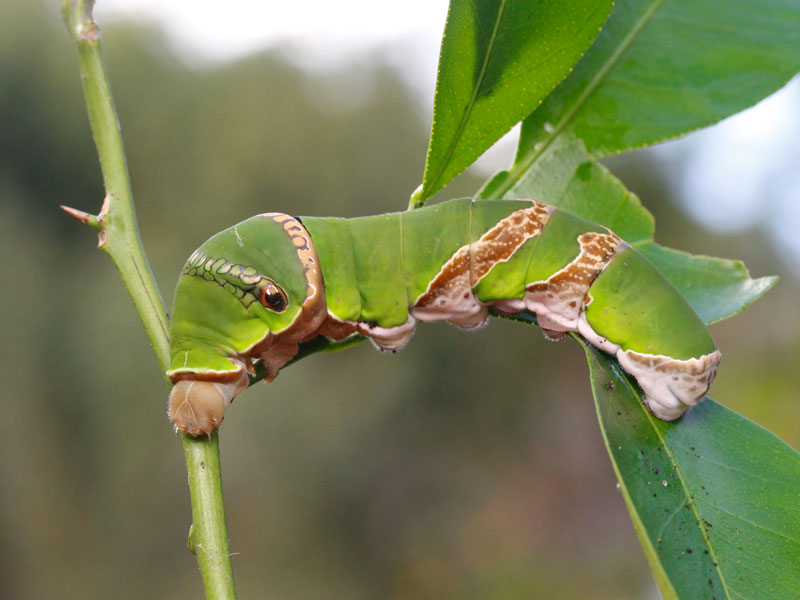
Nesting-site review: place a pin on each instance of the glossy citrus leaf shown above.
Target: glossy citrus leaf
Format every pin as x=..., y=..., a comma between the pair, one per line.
x=661, y=69
x=716, y=288
x=714, y=497
x=498, y=60
x=567, y=178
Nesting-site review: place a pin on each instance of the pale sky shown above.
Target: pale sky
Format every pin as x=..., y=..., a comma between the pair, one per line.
x=735, y=173
x=334, y=28
x=746, y=170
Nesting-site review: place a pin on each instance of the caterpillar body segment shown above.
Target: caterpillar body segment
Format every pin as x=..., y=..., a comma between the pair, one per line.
x=256, y=290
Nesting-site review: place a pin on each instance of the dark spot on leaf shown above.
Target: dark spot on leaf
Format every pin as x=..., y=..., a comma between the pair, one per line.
x=584, y=172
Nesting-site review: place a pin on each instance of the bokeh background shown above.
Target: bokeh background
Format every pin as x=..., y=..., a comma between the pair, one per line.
x=469, y=465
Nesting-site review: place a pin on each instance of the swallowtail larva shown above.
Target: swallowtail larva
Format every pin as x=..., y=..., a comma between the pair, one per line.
x=255, y=291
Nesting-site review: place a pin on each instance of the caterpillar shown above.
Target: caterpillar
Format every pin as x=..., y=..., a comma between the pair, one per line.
x=252, y=293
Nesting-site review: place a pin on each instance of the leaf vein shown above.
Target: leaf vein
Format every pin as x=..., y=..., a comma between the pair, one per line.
x=679, y=475
x=751, y=523
x=477, y=88
x=519, y=169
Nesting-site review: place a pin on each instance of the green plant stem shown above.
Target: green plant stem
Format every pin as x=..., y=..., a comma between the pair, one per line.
x=118, y=235
x=208, y=537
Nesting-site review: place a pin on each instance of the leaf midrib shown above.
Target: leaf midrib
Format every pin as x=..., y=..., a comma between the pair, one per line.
x=687, y=493
x=465, y=117
x=678, y=473
x=519, y=169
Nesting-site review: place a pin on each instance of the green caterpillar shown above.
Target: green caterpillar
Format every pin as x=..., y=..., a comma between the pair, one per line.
x=256, y=290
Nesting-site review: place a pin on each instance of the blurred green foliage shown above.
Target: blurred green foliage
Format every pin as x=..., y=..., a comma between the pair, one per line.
x=467, y=466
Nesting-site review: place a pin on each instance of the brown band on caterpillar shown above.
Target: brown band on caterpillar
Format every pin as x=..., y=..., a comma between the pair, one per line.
x=450, y=292
x=559, y=300
x=278, y=349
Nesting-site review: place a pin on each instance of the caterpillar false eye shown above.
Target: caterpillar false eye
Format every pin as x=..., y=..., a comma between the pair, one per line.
x=273, y=298
x=378, y=276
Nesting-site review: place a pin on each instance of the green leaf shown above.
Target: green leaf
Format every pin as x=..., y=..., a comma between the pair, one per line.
x=716, y=288
x=714, y=498
x=661, y=69
x=566, y=177
x=498, y=60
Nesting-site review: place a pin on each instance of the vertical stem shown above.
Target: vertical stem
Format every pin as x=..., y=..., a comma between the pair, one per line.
x=119, y=232
x=208, y=537
x=119, y=238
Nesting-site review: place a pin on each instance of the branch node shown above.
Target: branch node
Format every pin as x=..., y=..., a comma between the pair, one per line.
x=98, y=223
x=104, y=209
x=89, y=32
x=417, y=199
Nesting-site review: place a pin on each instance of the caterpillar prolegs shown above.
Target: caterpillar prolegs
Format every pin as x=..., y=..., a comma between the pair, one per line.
x=255, y=291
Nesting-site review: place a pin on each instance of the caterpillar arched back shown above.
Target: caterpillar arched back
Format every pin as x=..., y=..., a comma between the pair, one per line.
x=254, y=292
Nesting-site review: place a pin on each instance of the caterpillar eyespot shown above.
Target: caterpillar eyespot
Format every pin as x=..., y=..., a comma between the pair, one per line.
x=454, y=262
x=273, y=298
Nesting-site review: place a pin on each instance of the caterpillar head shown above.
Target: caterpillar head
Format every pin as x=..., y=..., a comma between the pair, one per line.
x=250, y=293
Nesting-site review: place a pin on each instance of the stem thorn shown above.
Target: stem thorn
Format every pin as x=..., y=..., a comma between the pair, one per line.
x=78, y=214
